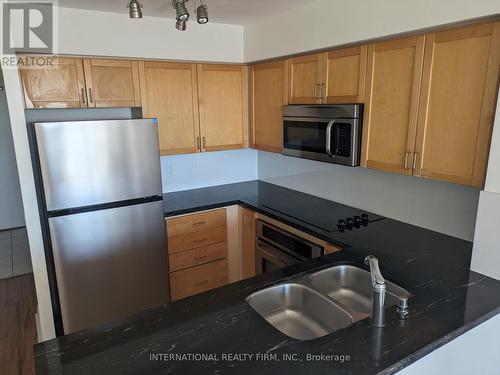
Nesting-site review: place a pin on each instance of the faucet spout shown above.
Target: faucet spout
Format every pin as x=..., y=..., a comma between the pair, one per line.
x=378, y=292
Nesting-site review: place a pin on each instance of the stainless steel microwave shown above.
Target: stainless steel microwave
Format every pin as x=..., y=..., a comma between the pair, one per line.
x=329, y=133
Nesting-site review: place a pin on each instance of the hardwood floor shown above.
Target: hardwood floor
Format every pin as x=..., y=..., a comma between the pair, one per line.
x=17, y=325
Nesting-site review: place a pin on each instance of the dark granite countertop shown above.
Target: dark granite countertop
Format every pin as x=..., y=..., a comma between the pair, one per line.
x=447, y=300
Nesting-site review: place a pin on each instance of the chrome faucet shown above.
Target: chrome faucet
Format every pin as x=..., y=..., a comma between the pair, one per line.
x=378, y=296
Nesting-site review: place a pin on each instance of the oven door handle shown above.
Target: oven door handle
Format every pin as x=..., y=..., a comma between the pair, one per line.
x=329, y=139
x=281, y=260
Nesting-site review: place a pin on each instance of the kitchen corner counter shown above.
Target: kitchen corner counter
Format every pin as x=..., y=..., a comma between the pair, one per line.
x=447, y=300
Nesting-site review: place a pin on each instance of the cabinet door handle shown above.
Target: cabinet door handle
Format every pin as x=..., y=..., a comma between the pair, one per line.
x=199, y=223
x=316, y=89
x=200, y=241
x=415, y=156
x=323, y=90
x=83, y=97
x=407, y=153
x=204, y=143
x=201, y=283
x=200, y=258
x=91, y=99
x=198, y=141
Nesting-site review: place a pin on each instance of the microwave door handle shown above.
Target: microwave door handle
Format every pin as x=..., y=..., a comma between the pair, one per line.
x=329, y=138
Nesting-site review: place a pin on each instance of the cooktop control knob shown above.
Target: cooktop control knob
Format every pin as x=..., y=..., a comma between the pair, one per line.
x=364, y=218
x=341, y=223
x=349, y=221
x=357, y=220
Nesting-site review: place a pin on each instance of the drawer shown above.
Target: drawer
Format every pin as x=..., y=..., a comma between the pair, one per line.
x=195, y=240
x=191, y=258
x=195, y=223
x=198, y=279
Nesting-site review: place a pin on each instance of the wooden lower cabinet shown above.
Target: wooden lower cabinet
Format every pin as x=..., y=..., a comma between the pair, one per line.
x=247, y=218
x=195, y=257
x=197, y=252
x=198, y=279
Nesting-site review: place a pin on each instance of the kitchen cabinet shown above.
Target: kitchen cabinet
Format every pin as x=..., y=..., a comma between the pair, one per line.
x=112, y=83
x=343, y=75
x=457, y=103
x=269, y=94
x=222, y=96
x=305, y=79
x=82, y=83
x=328, y=78
x=170, y=94
x=197, y=252
x=60, y=86
x=198, y=279
x=247, y=218
x=390, y=120
x=430, y=104
x=199, y=107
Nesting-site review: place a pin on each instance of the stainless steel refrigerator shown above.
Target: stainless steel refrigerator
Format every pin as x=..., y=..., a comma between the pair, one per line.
x=100, y=188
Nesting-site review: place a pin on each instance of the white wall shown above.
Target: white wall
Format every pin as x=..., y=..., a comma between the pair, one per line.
x=439, y=206
x=85, y=32
x=327, y=23
x=15, y=101
x=457, y=358
x=183, y=172
x=11, y=204
x=486, y=253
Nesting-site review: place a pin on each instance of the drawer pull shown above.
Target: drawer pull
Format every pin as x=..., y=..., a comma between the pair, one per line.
x=201, y=283
x=199, y=223
x=199, y=241
x=200, y=258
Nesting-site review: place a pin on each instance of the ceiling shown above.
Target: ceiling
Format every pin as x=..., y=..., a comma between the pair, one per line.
x=235, y=12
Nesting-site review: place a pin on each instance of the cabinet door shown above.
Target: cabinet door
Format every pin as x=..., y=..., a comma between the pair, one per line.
x=60, y=86
x=305, y=78
x=112, y=83
x=390, y=121
x=221, y=96
x=457, y=103
x=269, y=96
x=170, y=94
x=343, y=75
x=248, y=242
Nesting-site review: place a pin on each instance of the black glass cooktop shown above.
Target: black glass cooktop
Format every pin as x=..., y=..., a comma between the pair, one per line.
x=318, y=212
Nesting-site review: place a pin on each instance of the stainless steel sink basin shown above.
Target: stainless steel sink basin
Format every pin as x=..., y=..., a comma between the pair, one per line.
x=315, y=305
x=298, y=311
x=351, y=287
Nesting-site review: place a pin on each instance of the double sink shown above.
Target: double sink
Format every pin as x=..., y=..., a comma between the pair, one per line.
x=315, y=305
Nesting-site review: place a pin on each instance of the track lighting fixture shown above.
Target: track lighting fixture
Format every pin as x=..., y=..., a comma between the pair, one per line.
x=181, y=12
x=135, y=10
x=202, y=14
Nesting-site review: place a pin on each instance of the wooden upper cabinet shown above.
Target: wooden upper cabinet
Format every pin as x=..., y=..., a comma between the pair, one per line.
x=222, y=93
x=170, y=94
x=305, y=79
x=269, y=94
x=343, y=75
x=457, y=103
x=59, y=86
x=390, y=121
x=112, y=83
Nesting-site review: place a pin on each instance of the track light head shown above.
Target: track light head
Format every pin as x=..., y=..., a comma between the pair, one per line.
x=135, y=10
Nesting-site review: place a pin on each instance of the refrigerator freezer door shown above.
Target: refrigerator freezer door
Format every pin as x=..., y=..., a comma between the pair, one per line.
x=109, y=263
x=94, y=162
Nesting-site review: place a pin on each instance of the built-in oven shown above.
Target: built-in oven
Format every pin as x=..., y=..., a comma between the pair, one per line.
x=329, y=133
x=276, y=248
